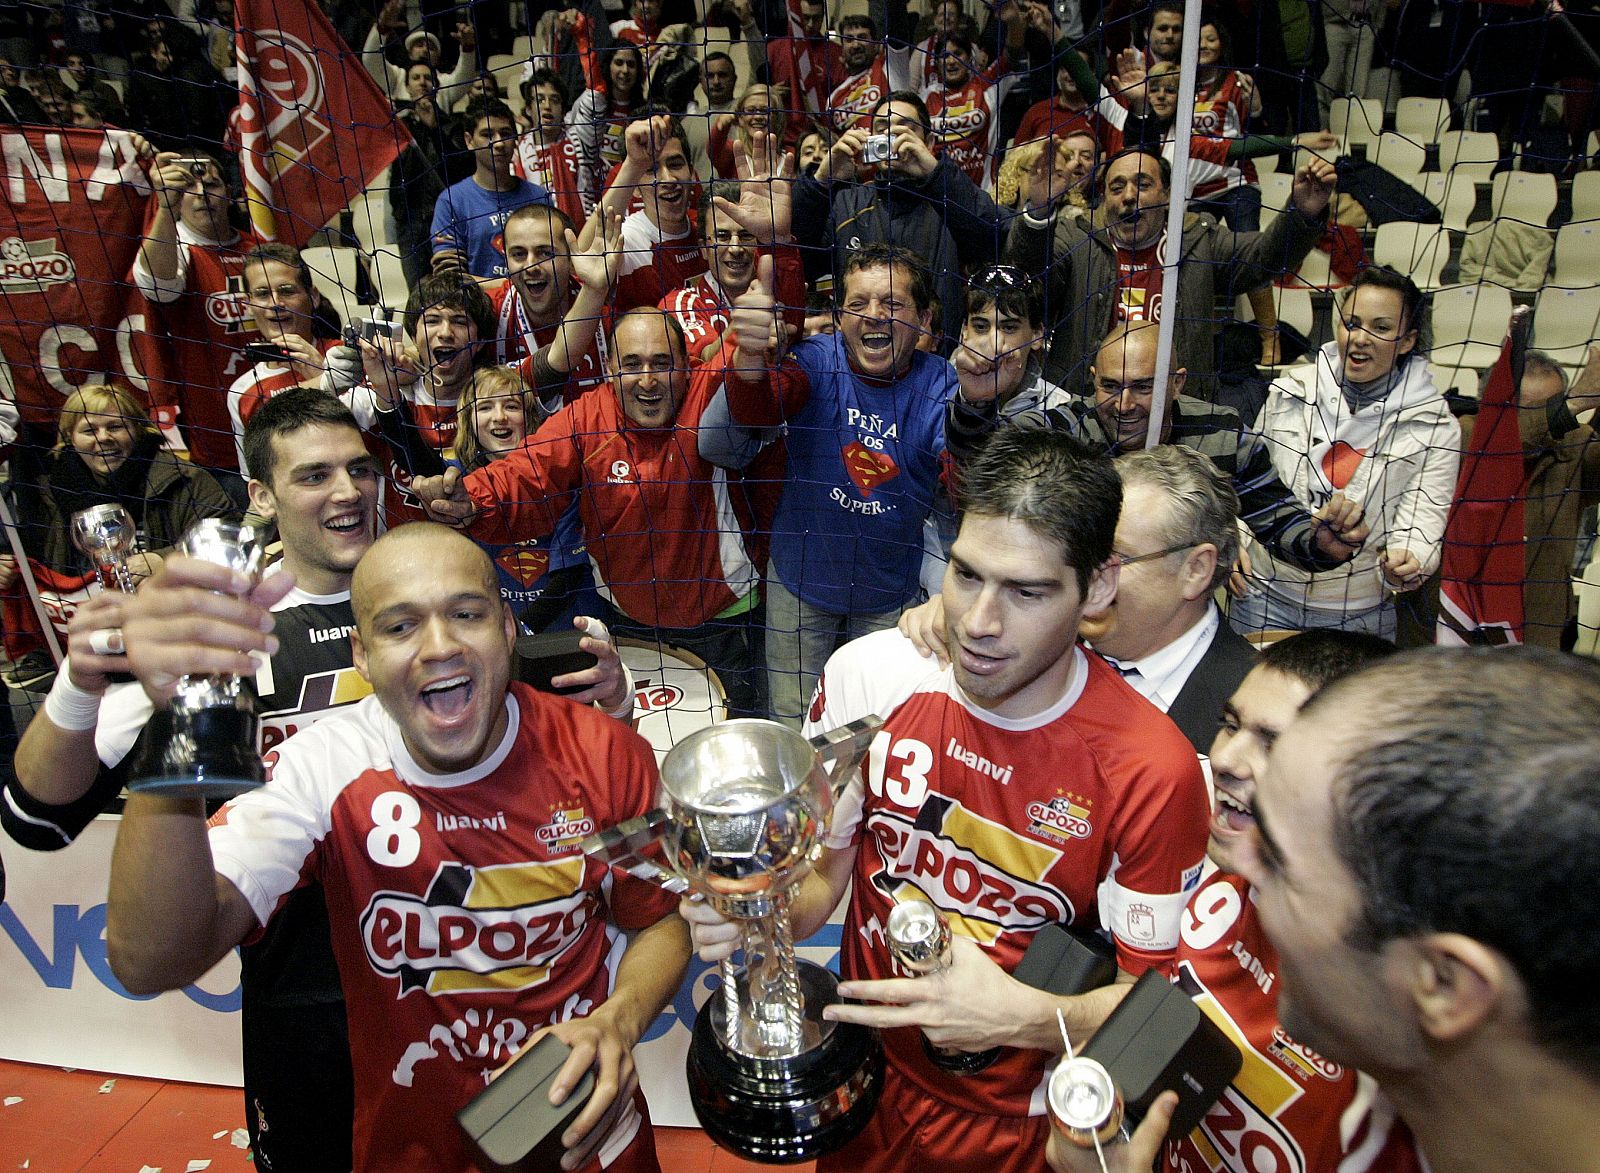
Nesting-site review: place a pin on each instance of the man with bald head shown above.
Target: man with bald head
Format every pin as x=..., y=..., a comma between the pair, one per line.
x=1117, y=417
x=442, y=817
x=661, y=523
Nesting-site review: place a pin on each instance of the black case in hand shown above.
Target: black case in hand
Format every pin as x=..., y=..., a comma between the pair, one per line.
x=1064, y=963
x=1158, y=1040
x=511, y=1124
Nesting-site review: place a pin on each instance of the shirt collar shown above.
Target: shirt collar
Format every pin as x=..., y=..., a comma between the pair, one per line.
x=1161, y=675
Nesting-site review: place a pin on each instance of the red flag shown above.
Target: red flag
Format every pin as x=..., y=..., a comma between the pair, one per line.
x=314, y=128
x=1480, y=592
x=71, y=221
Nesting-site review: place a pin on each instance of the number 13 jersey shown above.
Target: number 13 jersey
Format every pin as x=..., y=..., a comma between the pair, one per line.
x=1091, y=813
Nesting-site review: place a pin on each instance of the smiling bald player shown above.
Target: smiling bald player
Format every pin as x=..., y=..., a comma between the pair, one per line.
x=431, y=814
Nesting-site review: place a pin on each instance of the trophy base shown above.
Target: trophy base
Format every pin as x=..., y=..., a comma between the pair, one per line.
x=782, y=1111
x=203, y=753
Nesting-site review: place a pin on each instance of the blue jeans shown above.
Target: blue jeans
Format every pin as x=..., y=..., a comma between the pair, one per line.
x=1263, y=611
x=1239, y=207
x=800, y=638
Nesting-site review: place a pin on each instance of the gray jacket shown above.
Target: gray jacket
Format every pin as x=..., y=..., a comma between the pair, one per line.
x=1079, y=264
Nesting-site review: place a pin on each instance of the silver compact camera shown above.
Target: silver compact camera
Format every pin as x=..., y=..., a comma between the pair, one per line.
x=369, y=329
x=878, y=149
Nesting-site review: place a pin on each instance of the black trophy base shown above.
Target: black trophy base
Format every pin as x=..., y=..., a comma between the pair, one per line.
x=206, y=753
x=783, y=1111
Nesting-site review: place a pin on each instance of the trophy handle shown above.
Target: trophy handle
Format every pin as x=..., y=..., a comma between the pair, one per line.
x=638, y=847
x=842, y=749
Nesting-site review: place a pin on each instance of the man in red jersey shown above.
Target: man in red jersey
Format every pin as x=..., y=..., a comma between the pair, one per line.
x=1289, y=1107
x=191, y=265
x=736, y=228
x=438, y=816
x=538, y=293
x=1023, y=784
x=873, y=68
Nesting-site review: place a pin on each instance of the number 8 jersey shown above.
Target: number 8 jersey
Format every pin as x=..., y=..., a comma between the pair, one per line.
x=1092, y=813
x=463, y=915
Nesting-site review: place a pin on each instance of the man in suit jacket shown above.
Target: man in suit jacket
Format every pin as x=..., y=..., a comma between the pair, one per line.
x=1177, y=540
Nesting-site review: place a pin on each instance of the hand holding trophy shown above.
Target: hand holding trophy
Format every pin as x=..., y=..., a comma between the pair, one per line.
x=205, y=743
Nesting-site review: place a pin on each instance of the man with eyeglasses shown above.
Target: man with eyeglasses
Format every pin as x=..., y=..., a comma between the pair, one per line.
x=731, y=247
x=1117, y=418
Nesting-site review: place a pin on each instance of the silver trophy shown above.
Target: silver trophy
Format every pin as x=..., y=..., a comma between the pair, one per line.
x=106, y=535
x=204, y=744
x=745, y=806
x=918, y=936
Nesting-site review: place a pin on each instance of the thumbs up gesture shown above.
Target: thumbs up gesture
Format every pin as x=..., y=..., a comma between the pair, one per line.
x=757, y=328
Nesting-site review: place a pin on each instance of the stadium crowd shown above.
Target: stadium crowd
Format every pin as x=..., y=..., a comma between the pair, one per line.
x=876, y=361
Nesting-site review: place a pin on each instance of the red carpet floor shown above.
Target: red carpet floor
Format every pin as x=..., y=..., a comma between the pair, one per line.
x=55, y=1121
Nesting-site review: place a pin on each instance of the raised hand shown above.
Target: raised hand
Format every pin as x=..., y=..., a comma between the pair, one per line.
x=1313, y=186
x=1127, y=73
x=843, y=158
x=597, y=267
x=765, y=192
x=911, y=154
x=753, y=319
x=645, y=139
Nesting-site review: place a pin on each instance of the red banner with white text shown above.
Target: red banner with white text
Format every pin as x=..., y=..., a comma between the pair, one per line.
x=70, y=224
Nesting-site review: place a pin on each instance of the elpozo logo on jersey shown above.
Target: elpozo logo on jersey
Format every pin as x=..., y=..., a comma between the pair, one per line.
x=565, y=828
x=32, y=266
x=497, y=928
x=1059, y=819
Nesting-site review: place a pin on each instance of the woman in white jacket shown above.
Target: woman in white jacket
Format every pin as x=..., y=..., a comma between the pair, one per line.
x=1366, y=420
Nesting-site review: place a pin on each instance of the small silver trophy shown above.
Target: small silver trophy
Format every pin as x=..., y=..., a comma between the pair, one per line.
x=745, y=806
x=918, y=936
x=204, y=744
x=107, y=535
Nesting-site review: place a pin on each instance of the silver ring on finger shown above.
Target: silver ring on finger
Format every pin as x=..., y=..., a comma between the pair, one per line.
x=107, y=641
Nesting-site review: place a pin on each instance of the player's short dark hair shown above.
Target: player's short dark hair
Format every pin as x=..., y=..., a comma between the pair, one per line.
x=1319, y=657
x=1467, y=800
x=873, y=256
x=289, y=411
x=1055, y=485
x=454, y=291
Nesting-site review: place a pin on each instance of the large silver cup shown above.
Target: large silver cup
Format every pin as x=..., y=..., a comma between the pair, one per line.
x=745, y=805
x=107, y=536
x=205, y=743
